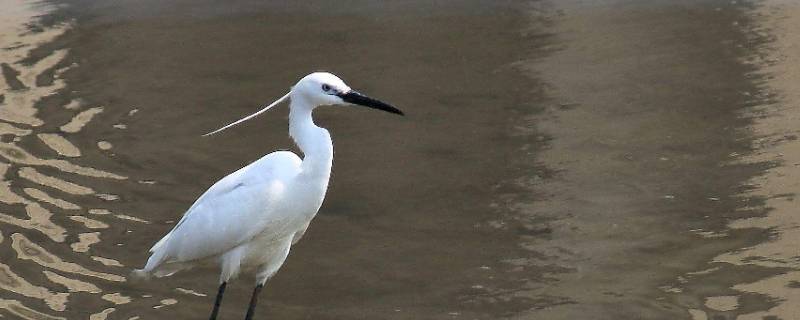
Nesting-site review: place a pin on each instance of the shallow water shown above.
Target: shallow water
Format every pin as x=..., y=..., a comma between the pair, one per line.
x=559, y=160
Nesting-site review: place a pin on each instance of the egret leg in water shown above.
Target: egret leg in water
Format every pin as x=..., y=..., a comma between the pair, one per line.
x=248, y=220
x=251, y=309
x=218, y=301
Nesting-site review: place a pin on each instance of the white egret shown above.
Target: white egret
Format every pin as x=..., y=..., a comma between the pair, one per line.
x=249, y=220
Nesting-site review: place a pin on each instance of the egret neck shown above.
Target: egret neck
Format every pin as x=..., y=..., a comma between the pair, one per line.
x=313, y=141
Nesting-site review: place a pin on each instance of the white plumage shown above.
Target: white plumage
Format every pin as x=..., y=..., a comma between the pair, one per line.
x=249, y=220
x=231, y=214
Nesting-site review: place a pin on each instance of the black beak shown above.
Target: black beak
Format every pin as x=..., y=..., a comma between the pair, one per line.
x=355, y=97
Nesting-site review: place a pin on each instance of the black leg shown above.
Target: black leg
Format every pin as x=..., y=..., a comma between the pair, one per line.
x=251, y=310
x=218, y=301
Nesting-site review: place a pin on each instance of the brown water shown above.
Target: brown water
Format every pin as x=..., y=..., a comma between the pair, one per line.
x=559, y=160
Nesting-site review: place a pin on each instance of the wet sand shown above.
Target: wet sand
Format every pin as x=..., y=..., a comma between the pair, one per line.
x=559, y=160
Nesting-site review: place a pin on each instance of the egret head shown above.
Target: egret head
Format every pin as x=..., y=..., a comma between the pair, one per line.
x=319, y=89
x=322, y=89
x=326, y=89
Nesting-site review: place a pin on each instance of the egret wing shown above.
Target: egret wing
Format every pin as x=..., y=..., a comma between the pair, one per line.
x=232, y=211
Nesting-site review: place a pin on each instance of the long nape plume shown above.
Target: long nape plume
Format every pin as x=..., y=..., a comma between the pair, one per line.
x=286, y=96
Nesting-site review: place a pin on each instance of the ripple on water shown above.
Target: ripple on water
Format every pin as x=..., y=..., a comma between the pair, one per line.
x=104, y=145
x=17, y=155
x=118, y=216
x=100, y=211
x=39, y=220
x=165, y=302
x=27, y=250
x=190, y=292
x=102, y=315
x=774, y=128
x=81, y=119
x=107, y=261
x=41, y=196
x=116, y=298
x=698, y=314
x=108, y=196
x=59, y=144
x=131, y=218
x=6, y=195
x=53, y=182
x=7, y=128
x=74, y=104
x=12, y=282
x=20, y=310
x=19, y=105
x=23, y=86
x=90, y=223
x=85, y=240
x=722, y=303
x=72, y=285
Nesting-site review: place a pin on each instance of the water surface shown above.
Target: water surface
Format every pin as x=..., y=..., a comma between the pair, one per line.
x=559, y=159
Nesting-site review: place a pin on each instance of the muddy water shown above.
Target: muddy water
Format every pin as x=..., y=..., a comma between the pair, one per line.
x=775, y=142
x=559, y=160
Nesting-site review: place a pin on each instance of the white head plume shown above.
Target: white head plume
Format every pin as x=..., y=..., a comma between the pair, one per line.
x=286, y=96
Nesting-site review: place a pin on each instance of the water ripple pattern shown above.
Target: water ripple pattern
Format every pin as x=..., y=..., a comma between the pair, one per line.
x=770, y=269
x=49, y=235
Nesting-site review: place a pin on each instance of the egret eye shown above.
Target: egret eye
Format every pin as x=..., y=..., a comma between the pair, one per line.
x=326, y=87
